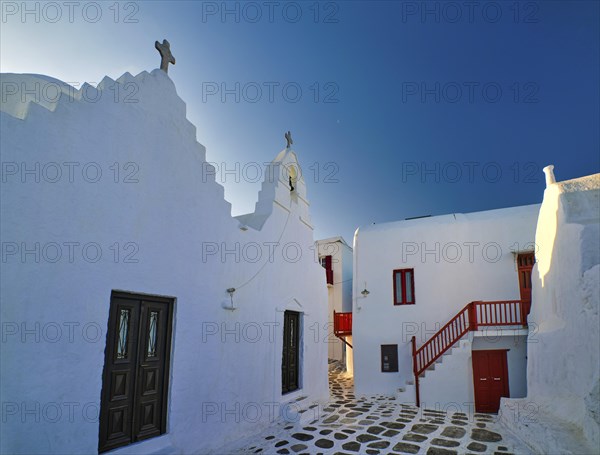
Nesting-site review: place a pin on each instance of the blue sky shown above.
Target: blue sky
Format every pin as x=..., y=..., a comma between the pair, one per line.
x=402, y=111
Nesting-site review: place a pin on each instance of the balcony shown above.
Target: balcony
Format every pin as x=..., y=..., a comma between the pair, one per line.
x=342, y=324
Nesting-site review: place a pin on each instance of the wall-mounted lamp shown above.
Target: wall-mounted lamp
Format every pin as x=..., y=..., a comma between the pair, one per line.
x=364, y=292
x=225, y=304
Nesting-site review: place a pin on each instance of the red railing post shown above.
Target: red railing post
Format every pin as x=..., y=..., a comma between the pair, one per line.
x=473, y=325
x=415, y=371
x=335, y=323
x=525, y=308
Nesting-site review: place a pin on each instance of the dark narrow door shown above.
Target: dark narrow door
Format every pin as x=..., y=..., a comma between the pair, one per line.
x=490, y=379
x=290, y=360
x=136, y=370
x=525, y=263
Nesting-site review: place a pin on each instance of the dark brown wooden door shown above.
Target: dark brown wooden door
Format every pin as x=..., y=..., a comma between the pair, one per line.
x=525, y=263
x=136, y=370
x=490, y=379
x=290, y=359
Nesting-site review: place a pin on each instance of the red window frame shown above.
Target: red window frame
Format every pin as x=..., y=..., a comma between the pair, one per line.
x=403, y=273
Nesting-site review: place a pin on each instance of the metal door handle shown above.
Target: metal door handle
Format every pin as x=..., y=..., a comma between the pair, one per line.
x=496, y=379
x=483, y=379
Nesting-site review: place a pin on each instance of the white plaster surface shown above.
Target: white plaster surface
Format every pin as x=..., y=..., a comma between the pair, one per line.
x=167, y=217
x=450, y=384
x=456, y=258
x=563, y=368
x=340, y=293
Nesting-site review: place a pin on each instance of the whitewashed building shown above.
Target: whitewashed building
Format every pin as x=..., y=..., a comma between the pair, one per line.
x=561, y=413
x=138, y=315
x=440, y=307
x=335, y=255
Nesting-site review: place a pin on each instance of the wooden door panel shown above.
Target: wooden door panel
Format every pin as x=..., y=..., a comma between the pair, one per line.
x=135, y=380
x=147, y=420
x=120, y=384
x=525, y=263
x=290, y=352
x=149, y=384
x=293, y=353
x=490, y=379
x=120, y=364
x=496, y=378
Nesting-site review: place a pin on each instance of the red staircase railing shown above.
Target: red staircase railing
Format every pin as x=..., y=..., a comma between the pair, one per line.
x=443, y=340
x=342, y=325
x=470, y=318
x=500, y=313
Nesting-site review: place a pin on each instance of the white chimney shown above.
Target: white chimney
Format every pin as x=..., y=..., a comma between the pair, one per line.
x=549, y=171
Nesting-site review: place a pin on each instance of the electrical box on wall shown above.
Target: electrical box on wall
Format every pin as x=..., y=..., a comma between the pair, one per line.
x=389, y=358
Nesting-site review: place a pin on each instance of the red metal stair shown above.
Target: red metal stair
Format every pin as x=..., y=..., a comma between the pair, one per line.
x=470, y=318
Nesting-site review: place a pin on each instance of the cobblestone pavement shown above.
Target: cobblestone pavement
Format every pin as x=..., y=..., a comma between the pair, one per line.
x=379, y=425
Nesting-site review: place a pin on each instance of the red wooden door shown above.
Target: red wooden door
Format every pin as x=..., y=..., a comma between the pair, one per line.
x=525, y=263
x=490, y=379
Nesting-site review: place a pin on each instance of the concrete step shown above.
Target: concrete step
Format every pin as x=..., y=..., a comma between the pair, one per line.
x=406, y=393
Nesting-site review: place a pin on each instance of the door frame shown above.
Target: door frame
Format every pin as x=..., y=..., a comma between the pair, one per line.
x=109, y=349
x=506, y=391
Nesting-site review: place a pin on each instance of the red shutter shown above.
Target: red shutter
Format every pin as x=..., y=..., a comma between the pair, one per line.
x=329, y=269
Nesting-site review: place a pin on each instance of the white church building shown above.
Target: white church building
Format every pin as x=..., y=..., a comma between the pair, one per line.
x=138, y=315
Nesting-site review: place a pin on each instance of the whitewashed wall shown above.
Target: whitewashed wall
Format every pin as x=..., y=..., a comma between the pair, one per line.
x=340, y=293
x=166, y=216
x=562, y=409
x=347, y=276
x=456, y=258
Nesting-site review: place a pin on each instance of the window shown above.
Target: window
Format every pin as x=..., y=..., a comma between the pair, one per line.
x=389, y=358
x=404, y=287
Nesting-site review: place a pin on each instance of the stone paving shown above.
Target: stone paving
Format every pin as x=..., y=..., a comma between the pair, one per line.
x=379, y=425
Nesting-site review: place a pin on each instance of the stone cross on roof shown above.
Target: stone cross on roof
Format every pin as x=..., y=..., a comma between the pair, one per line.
x=288, y=138
x=165, y=53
